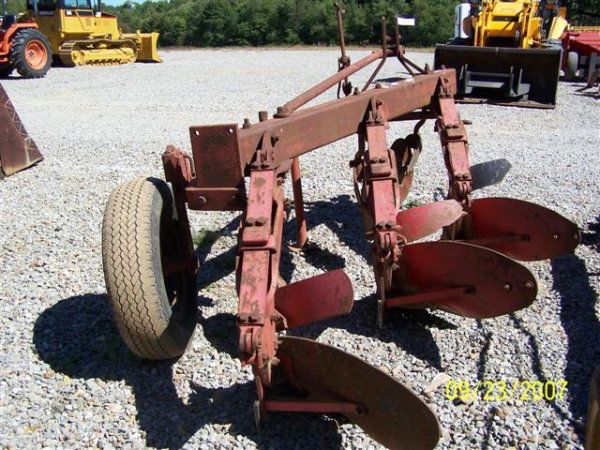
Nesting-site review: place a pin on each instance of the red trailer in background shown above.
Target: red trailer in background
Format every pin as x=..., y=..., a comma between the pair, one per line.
x=581, y=53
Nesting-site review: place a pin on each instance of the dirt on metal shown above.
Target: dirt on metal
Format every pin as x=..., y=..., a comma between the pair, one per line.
x=17, y=150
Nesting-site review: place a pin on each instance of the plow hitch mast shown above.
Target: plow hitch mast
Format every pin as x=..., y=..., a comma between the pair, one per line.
x=471, y=272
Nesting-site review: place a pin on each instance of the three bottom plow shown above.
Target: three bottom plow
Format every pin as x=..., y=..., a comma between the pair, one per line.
x=150, y=264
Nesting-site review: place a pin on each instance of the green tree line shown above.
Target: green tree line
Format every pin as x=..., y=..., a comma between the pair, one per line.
x=282, y=22
x=211, y=23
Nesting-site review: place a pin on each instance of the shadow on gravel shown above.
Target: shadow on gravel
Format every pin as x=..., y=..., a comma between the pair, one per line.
x=591, y=238
x=578, y=318
x=77, y=338
x=410, y=330
x=341, y=216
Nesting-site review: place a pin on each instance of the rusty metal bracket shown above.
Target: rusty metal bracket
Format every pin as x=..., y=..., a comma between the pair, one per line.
x=219, y=180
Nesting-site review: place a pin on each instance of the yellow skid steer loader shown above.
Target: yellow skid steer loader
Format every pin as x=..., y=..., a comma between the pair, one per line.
x=501, y=52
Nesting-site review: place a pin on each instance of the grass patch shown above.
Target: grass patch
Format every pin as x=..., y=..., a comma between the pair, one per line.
x=411, y=204
x=205, y=238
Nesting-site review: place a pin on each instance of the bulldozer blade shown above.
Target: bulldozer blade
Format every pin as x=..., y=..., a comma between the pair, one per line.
x=389, y=412
x=489, y=173
x=507, y=76
x=421, y=221
x=147, y=46
x=521, y=230
x=464, y=279
x=17, y=150
x=317, y=298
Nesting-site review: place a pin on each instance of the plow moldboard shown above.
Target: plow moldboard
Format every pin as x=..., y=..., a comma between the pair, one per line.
x=395, y=417
x=17, y=149
x=499, y=284
x=318, y=298
x=421, y=221
x=548, y=233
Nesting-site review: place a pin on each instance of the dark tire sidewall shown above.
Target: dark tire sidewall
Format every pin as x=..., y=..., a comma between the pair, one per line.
x=181, y=325
x=18, y=57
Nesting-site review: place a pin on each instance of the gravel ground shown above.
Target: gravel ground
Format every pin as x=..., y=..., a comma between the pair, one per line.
x=66, y=378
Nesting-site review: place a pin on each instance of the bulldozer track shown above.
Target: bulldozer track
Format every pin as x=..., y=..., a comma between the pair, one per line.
x=89, y=52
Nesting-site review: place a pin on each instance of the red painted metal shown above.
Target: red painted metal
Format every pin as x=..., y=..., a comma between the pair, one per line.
x=312, y=407
x=17, y=150
x=463, y=279
x=6, y=38
x=299, y=203
x=317, y=298
x=421, y=221
x=583, y=42
x=521, y=230
x=219, y=181
x=389, y=411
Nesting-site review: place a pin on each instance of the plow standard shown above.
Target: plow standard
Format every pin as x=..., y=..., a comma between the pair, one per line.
x=150, y=264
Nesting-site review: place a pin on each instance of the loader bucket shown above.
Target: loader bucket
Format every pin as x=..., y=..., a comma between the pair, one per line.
x=17, y=150
x=521, y=230
x=507, y=76
x=147, y=44
x=385, y=409
x=464, y=279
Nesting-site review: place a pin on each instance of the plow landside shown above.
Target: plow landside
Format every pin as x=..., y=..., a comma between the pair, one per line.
x=511, y=76
x=17, y=150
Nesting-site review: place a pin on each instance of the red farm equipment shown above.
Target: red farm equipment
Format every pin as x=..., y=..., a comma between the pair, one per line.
x=581, y=54
x=17, y=150
x=150, y=263
x=23, y=47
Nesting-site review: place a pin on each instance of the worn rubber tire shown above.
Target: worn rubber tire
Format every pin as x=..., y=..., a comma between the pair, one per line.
x=572, y=66
x=155, y=315
x=18, y=53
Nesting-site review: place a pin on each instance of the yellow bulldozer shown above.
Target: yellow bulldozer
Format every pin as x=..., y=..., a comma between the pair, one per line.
x=74, y=32
x=506, y=51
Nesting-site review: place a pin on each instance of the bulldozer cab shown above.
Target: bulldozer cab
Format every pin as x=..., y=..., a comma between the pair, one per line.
x=43, y=7
x=72, y=20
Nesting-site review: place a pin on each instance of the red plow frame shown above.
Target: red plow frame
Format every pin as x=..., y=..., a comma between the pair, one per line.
x=470, y=272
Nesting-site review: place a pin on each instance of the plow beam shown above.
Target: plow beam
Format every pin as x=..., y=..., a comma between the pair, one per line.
x=507, y=76
x=222, y=154
x=17, y=150
x=521, y=230
x=463, y=279
x=329, y=380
